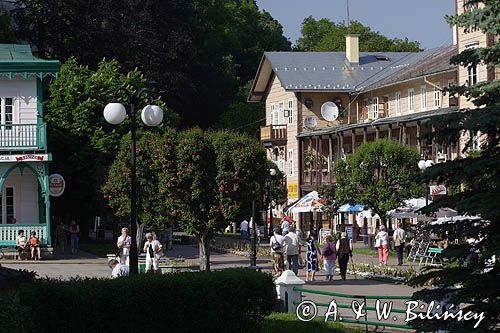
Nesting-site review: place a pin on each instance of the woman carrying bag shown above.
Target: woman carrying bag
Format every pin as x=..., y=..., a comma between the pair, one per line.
x=329, y=255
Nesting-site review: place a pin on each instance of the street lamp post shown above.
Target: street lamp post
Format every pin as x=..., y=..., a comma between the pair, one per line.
x=253, y=236
x=423, y=165
x=152, y=115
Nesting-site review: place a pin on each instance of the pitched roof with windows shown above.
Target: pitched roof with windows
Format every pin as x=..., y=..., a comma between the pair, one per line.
x=18, y=60
x=330, y=71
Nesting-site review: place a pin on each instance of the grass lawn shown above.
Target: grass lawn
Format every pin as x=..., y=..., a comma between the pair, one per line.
x=99, y=249
x=370, y=252
x=288, y=322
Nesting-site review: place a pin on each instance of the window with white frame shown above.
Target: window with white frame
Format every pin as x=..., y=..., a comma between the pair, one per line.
x=472, y=70
x=437, y=96
x=290, y=111
x=7, y=108
x=290, y=162
x=375, y=107
x=398, y=102
x=281, y=110
x=411, y=99
x=274, y=115
x=476, y=142
x=281, y=164
x=423, y=98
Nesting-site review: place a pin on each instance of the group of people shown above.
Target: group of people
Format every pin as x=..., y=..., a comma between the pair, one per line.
x=25, y=246
x=285, y=243
x=152, y=248
x=62, y=234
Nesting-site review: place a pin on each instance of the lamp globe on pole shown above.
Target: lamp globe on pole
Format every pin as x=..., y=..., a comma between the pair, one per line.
x=272, y=172
x=115, y=113
x=152, y=115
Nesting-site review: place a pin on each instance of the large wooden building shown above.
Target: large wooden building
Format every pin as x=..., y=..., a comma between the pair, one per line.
x=379, y=95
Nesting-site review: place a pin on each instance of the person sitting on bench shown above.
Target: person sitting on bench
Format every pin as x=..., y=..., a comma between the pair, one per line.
x=21, y=244
x=35, y=246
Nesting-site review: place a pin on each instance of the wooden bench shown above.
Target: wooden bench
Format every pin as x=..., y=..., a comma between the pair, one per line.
x=432, y=254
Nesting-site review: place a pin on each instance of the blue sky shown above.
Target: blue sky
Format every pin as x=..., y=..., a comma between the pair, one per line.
x=421, y=20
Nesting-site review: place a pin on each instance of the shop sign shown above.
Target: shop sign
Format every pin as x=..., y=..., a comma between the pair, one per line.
x=293, y=190
x=438, y=190
x=56, y=185
x=25, y=158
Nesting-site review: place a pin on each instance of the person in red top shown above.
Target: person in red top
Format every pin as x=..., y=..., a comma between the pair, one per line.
x=34, y=246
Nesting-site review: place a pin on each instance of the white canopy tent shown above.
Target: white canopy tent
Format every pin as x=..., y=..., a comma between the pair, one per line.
x=308, y=203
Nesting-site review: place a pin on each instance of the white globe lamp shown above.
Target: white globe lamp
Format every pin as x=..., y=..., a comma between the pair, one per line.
x=429, y=163
x=272, y=172
x=421, y=165
x=152, y=115
x=114, y=113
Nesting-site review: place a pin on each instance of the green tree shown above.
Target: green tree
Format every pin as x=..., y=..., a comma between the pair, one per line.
x=471, y=268
x=199, y=52
x=83, y=144
x=325, y=35
x=154, y=166
x=380, y=174
x=241, y=116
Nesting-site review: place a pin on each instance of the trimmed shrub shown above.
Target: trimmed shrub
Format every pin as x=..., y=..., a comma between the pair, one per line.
x=12, y=315
x=222, y=301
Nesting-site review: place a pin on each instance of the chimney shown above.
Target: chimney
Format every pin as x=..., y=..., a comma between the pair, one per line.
x=352, y=48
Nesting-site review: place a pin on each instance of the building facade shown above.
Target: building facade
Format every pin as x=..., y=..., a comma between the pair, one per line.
x=378, y=95
x=24, y=155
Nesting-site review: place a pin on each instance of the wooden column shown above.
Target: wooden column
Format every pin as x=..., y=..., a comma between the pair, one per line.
x=330, y=158
x=377, y=132
x=459, y=153
x=301, y=164
x=389, y=132
x=418, y=138
x=433, y=152
x=400, y=136
x=319, y=175
x=339, y=150
x=341, y=144
x=365, y=133
x=353, y=140
x=403, y=134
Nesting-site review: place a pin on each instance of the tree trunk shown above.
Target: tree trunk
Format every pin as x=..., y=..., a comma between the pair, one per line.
x=204, y=245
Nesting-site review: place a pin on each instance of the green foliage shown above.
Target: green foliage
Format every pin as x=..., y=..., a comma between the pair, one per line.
x=478, y=179
x=13, y=315
x=242, y=116
x=288, y=322
x=279, y=191
x=199, y=52
x=82, y=143
x=325, y=35
x=380, y=174
x=234, y=300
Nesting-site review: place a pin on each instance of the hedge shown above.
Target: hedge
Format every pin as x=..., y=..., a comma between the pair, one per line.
x=233, y=300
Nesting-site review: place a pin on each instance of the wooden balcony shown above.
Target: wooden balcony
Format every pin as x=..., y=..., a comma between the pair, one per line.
x=273, y=135
x=23, y=136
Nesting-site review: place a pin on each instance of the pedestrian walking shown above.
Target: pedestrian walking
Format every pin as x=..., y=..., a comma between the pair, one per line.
x=152, y=248
x=292, y=249
x=329, y=254
x=312, y=265
x=21, y=242
x=74, y=231
x=399, y=237
x=123, y=243
x=118, y=270
x=344, y=251
x=277, y=243
x=382, y=242
x=244, y=229
x=35, y=247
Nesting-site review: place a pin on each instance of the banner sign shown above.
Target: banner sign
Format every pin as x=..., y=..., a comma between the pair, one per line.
x=438, y=190
x=56, y=185
x=293, y=191
x=25, y=158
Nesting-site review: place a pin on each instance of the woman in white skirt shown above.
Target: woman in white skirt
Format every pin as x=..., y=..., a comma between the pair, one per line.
x=329, y=255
